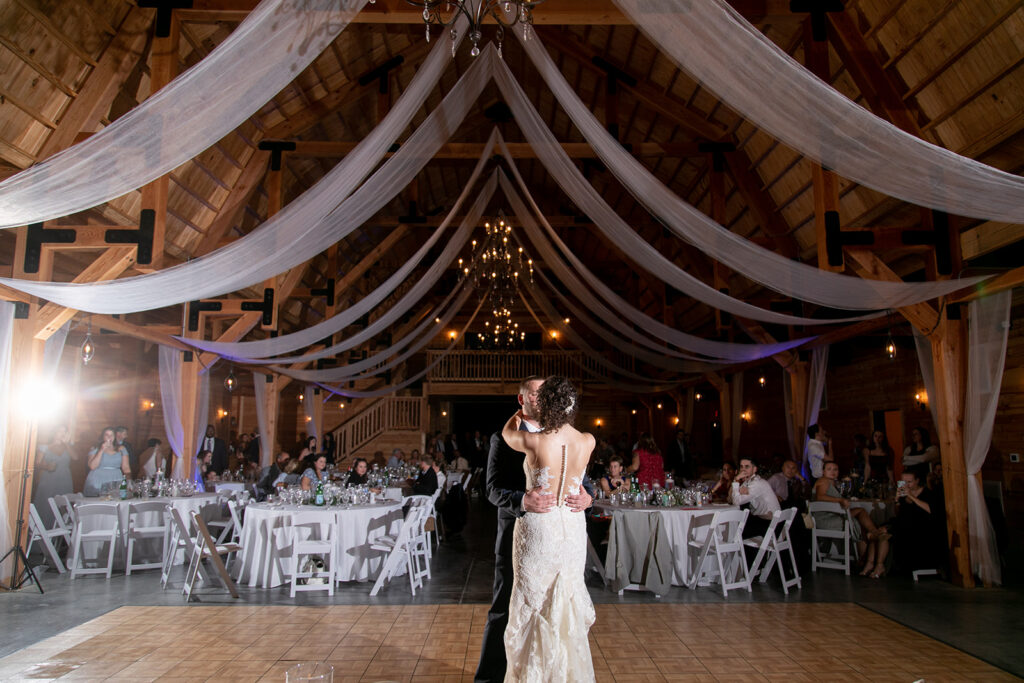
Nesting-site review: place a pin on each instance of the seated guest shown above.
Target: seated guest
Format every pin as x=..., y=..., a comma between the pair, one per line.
x=151, y=459
x=108, y=463
x=271, y=473
x=919, y=529
x=439, y=473
x=315, y=473
x=378, y=459
x=783, y=484
x=308, y=448
x=749, y=489
x=358, y=475
x=290, y=476
x=53, y=473
x=426, y=482
x=203, y=470
x=920, y=451
x=876, y=546
x=460, y=463
x=648, y=465
x=396, y=458
x=615, y=480
x=724, y=485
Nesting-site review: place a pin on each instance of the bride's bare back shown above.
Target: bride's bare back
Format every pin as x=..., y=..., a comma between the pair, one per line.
x=544, y=456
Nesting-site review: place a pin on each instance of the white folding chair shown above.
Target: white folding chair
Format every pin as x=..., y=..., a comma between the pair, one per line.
x=314, y=534
x=205, y=549
x=61, y=518
x=236, y=528
x=918, y=573
x=434, y=522
x=109, y=530
x=831, y=548
x=68, y=508
x=38, y=532
x=724, y=537
x=145, y=522
x=220, y=527
x=775, y=540
x=420, y=538
x=179, y=539
x=398, y=547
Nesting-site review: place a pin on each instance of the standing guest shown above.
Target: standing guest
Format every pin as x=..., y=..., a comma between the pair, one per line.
x=450, y=446
x=396, y=459
x=860, y=453
x=438, y=444
x=678, y=458
x=271, y=473
x=648, y=465
x=615, y=480
x=721, y=489
x=252, y=448
x=218, y=450
x=783, y=483
x=878, y=459
x=817, y=452
x=359, y=473
x=121, y=440
x=53, y=473
x=316, y=472
x=108, y=463
x=920, y=451
x=875, y=547
x=750, y=489
x=151, y=460
x=307, y=447
x=329, y=447
x=426, y=482
x=479, y=451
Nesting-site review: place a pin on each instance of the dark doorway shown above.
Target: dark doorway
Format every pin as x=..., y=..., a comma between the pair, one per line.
x=486, y=413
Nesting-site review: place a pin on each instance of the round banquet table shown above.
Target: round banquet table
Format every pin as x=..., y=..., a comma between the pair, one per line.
x=229, y=486
x=677, y=522
x=149, y=549
x=266, y=559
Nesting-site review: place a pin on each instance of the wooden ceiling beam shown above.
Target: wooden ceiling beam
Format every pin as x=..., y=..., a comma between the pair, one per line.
x=519, y=150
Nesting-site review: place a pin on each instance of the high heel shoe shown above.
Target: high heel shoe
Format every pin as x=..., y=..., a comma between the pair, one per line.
x=878, y=573
x=868, y=568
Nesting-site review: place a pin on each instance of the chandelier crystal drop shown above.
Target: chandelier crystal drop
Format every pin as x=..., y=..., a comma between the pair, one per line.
x=506, y=13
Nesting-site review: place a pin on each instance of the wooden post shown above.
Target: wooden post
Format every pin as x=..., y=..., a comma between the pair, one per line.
x=271, y=404
x=799, y=380
x=950, y=361
x=189, y=411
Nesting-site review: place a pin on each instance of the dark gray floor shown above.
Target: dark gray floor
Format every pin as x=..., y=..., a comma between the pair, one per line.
x=987, y=623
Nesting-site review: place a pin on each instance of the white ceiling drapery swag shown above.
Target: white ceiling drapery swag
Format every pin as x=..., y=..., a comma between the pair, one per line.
x=267, y=51
x=727, y=55
x=260, y=349
x=259, y=383
x=712, y=349
x=774, y=271
x=170, y=398
x=988, y=329
x=6, y=342
x=304, y=227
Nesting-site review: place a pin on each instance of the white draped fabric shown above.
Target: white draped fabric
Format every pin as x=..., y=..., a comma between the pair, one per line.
x=170, y=398
x=322, y=216
x=727, y=55
x=259, y=382
x=812, y=404
x=309, y=399
x=924, y=360
x=266, y=52
x=6, y=339
x=53, y=349
x=202, y=409
x=761, y=265
x=988, y=328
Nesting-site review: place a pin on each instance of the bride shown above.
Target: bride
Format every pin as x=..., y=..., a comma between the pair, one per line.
x=550, y=610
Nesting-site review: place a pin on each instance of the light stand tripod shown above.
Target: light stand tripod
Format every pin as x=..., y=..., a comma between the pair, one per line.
x=17, y=580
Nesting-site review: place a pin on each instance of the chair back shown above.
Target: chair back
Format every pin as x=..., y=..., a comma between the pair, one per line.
x=416, y=501
x=830, y=507
x=138, y=513
x=95, y=510
x=323, y=528
x=59, y=518
x=729, y=524
x=786, y=519
x=36, y=527
x=178, y=523
x=69, y=508
x=236, y=516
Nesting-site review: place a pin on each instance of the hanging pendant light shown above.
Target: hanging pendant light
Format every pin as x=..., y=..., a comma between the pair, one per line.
x=890, y=346
x=445, y=12
x=230, y=381
x=88, y=347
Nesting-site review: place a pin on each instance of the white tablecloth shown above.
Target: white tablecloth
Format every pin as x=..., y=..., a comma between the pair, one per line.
x=228, y=486
x=149, y=550
x=267, y=558
x=676, y=521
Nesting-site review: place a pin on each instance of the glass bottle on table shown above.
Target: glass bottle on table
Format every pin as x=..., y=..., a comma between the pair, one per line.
x=319, y=496
x=123, y=489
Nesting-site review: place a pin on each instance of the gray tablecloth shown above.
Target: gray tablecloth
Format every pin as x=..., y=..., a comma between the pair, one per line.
x=639, y=553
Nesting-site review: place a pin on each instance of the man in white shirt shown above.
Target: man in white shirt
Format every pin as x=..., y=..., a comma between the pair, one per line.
x=397, y=458
x=750, y=489
x=818, y=451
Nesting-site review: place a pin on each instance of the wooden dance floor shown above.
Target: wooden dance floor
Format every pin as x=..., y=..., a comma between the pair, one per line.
x=431, y=643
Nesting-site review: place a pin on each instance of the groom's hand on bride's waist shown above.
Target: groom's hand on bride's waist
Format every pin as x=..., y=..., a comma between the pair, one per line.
x=579, y=502
x=536, y=500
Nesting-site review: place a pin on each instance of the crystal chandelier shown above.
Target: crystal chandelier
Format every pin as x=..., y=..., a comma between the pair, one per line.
x=498, y=269
x=476, y=11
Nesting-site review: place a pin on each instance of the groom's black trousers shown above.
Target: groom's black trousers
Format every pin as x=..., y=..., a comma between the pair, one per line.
x=492, y=652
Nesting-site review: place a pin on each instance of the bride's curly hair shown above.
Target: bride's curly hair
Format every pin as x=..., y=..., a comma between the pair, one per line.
x=557, y=403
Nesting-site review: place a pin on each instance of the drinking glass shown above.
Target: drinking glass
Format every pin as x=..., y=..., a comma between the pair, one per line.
x=310, y=672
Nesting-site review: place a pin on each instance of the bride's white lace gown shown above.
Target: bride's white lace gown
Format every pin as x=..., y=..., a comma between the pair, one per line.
x=550, y=611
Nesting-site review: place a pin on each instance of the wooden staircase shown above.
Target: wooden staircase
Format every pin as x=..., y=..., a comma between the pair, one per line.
x=386, y=423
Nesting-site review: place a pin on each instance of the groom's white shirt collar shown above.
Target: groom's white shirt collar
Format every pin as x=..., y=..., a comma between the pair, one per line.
x=532, y=428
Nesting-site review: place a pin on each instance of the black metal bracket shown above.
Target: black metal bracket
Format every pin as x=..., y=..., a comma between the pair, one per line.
x=266, y=307
x=197, y=307
x=36, y=236
x=163, y=13
x=276, y=149
x=836, y=239
x=717, y=151
x=21, y=310
x=414, y=215
x=818, y=9
x=380, y=74
x=322, y=363
x=186, y=356
x=325, y=291
x=937, y=237
x=142, y=236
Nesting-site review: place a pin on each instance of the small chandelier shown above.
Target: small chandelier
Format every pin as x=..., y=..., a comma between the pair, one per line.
x=476, y=11
x=498, y=269
x=88, y=347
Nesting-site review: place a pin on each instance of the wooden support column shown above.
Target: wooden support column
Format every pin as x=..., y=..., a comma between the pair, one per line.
x=190, y=416
x=271, y=406
x=949, y=356
x=318, y=414
x=799, y=377
x=725, y=407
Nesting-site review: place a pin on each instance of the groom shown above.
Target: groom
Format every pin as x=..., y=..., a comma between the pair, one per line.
x=506, y=484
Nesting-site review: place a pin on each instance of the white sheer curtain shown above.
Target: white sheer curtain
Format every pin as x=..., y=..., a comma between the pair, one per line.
x=812, y=404
x=761, y=265
x=924, y=360
x=322, y=216
x=988, y=327
x=170, y=403
x=266, y=52
x=202, y=410
x=6, y=338
x=266, y=448
x=53, y=349
x=309, y=399
x=725, y=54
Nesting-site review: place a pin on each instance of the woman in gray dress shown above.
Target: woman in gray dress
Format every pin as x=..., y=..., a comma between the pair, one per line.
x=107, y=463
x=52, y=473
